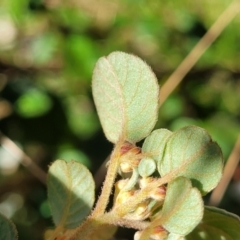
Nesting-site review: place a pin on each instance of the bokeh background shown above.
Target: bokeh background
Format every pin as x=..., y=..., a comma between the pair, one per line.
x=48, y=49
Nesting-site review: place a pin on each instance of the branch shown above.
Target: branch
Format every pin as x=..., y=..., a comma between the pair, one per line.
x=24, y=159
x=229, y=169
x=177, y=76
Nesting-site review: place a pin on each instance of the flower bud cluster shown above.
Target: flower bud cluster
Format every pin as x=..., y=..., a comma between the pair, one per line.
x=130, y=157
x=158, y=193
x=121, y=196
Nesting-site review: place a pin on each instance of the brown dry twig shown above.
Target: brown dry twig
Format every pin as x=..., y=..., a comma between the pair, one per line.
x=228, y=172
x=24, y=159
x=186, y=65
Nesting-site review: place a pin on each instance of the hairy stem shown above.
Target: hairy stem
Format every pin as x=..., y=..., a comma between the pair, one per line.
x=108, y=183
x=97, y=217
x=111, y=218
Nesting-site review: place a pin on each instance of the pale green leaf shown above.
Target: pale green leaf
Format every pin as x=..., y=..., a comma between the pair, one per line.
x=182, y=208
x=7, y=229
x=146, y=167
x=70, y=192
x=33, y=103
x=190, y=152
x=155, y=143
x=217, y=224
x=126, y=94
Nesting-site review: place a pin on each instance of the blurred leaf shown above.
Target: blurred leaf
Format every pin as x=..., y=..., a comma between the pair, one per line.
x=184, y=19
x=18, y=9
x=81, y=116
x=45, y=209
x=70, y=193
x=191, y=153
x=217, y=224
x=44, y=47
x=126, y=94
x=33, y=103
x=172, y=108
x=183, y=207
x=71, y=17
x=80, y=54
x=230, y=129
x=68, y=153
x=7, y=229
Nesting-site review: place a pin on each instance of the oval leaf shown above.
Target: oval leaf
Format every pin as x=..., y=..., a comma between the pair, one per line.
x=217, y=224
x=7, y=229
x=146, y=167
x=126, y=93
x=33, y=103
x=70, y=193
x=191, y=153
x=182, y=208
x=155, y=143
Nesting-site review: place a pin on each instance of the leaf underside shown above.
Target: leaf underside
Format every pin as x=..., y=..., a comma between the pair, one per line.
x=70, y=193
x=190, y=152
x=126, y=93
x=183, y=207
x=7, y=229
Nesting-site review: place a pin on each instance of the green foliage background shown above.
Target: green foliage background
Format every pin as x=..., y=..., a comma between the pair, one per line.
x=47, y=53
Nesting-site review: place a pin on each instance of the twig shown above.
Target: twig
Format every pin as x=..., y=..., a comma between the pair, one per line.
x=24, y=159
x=177, y=76
x=228, y=172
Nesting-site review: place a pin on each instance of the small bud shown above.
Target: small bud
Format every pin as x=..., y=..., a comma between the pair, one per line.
x=125, y=167
x=130, y=156
x=124, y=196
x=126, y=147
x=159, y=233
x=143, y=182
x=158, y=193
x=137, y=235
x=142, y=212
x=119, y=185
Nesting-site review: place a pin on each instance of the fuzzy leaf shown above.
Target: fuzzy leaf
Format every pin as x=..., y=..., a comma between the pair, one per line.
x=191, y=153
x=217, y=224
x=155, y=143
x=182, y=208
x=126, y=94
x=7, y=229
x=70, y=193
